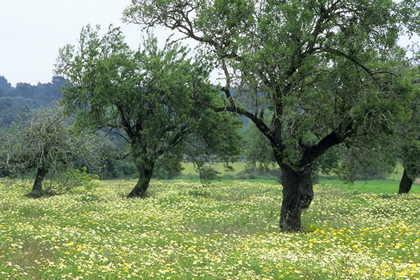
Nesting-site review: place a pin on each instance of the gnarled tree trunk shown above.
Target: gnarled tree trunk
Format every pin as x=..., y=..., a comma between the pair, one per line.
x=405, y=183
x=297, y=195
x=37, y=187
x=145, y=175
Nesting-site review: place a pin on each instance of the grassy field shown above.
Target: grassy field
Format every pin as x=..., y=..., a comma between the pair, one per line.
x=226, y=230
x=188, y=169
x=389, y=186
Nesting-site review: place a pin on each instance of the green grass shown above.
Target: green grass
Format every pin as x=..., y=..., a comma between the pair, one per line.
x=188, y=168
x=227, y=230
x=372, y=186
x=388, y=186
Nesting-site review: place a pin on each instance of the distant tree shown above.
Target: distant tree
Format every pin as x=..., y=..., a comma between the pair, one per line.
x=145, y=95
x=217, y=140
x=258, y=151
x=115, y=150
x=17, y=102
x=49, y=92
x=5, y=86
x=362, y=162
x=46, y=143
x=322, y=68
x=15, y=109
x=24, y=90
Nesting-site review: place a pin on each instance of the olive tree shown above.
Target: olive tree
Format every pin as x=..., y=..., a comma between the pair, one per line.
x=46, y=143
x=319, y=68
x=146, y=95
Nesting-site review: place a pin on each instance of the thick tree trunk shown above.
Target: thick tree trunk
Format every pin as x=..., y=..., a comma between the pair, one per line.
x=140, y=188
x=40, y=176
x=405, y=183
x=297, y=195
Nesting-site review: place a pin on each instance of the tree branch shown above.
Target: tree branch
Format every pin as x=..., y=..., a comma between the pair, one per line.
x=313, y=152
x=260, y=124
x=334, y=51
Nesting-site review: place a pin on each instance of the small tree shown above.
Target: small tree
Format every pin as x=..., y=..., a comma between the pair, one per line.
x=46, y=143
x=145, y=95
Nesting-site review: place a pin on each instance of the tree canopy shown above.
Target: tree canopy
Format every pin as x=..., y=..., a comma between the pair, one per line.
x=326, y=72
x=146, y=96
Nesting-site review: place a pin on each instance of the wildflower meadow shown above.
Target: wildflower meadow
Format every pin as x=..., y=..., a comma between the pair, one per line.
x=184, y=230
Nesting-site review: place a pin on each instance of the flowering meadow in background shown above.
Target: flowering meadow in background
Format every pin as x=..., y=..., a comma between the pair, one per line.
x=221, y=231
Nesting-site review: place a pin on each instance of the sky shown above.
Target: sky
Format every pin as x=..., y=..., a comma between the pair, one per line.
x=33, y=31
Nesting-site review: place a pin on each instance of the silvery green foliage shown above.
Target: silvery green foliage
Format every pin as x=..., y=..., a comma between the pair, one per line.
x=47, y=141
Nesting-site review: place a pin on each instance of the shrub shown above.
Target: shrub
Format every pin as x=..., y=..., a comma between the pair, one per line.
x=72, y=180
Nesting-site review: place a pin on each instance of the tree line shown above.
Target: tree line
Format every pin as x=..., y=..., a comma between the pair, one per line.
x=17, y=102
x=319, y=80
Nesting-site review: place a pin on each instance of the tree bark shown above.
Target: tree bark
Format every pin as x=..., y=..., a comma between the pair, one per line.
x=297, y=195
x=40, y=176
x=405, y=183
x=145, y=175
